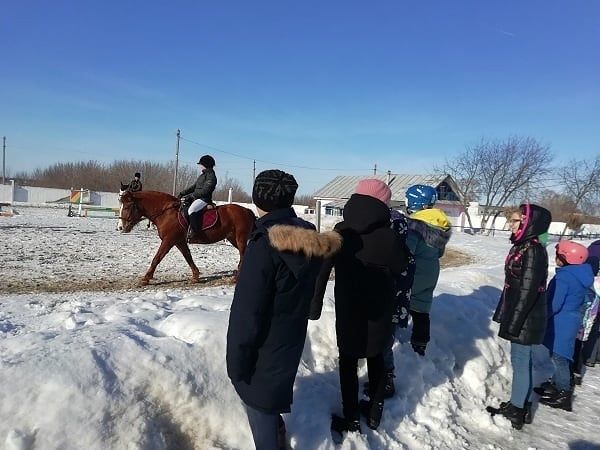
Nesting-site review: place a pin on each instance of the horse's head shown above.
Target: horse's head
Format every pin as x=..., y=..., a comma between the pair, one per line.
x=124, y=188
x=131, y=214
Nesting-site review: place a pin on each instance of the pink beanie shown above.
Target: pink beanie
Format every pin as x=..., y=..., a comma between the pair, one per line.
x=375, y=188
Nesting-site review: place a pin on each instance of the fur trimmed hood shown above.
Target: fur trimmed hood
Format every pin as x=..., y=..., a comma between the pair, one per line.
x=294, y=239
x=433, y=236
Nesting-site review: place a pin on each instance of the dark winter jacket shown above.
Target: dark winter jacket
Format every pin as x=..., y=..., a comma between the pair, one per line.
x=428, y=233
x=566, y=294
x=372, y=255
x=521, y=310
x=135, y=186
x=269, y=313
x=405, y=280
x=203, y=188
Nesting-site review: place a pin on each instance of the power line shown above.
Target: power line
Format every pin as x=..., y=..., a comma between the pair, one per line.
x=269, y=162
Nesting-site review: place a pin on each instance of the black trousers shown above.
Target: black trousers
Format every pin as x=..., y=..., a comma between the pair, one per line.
x=349, y=383
x=420, y=329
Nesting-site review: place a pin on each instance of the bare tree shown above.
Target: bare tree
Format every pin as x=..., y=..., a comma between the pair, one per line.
x=581, y=181
x=497, y=172
x=238, y=193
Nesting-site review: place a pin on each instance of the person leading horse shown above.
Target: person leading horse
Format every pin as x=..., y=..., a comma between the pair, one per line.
x=199, y=195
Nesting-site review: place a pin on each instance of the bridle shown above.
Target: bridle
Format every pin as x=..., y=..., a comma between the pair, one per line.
x=135, y=211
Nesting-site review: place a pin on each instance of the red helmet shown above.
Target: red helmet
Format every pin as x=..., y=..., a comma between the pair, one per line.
x=571, y=252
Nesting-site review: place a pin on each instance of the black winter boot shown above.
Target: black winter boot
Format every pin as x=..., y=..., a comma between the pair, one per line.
x=560, y=400
x=419, y=347
x=342, y=425
x=546, y=388
x=389, y=388
x=528, y=418
x=372, y=412
x=515, y=415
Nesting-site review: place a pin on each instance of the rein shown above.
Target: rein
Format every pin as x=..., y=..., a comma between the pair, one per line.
x=152, y=217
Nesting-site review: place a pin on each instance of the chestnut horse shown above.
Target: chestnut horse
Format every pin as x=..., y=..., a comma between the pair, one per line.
x=235, y=224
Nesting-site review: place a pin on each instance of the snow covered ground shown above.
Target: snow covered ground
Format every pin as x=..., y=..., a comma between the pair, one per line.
x=127, y=368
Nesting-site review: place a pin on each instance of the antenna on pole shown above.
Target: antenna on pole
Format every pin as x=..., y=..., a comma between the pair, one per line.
x=253, y=171
x=375, y=170
x=3, y=159
x=176, y=161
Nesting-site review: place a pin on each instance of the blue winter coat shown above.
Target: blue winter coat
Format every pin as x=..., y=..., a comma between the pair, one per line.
x=566, y=293
x=269, y=312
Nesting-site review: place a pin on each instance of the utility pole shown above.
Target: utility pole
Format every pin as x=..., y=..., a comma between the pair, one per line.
x=253, y=171
x=176, y=161
x=3, y=159
x=375, y=170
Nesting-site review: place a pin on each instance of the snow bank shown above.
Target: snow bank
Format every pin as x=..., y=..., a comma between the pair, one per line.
x=146, y=370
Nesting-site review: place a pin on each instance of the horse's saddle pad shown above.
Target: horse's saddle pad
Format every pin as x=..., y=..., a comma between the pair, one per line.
x=209, y=218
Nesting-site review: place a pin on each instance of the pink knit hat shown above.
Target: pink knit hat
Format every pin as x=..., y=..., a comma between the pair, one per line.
x=374, y=188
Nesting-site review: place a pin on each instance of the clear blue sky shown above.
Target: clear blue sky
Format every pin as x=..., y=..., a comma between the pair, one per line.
x=327, y=84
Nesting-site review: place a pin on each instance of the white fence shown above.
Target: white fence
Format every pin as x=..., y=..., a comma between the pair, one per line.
x=33, y=195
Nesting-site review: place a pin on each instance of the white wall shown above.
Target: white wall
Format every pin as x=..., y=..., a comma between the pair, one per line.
x=32, y=195
x=6, y=192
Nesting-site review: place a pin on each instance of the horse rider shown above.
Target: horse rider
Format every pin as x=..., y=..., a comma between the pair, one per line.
x=199, y=195
x=135, y=185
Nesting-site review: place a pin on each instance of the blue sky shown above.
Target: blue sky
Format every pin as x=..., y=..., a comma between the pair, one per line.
x=323, y=84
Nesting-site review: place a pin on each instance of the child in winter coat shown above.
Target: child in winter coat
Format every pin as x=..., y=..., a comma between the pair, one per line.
x=566, y=294
x=590, y=351
x=590, y=308
x=521, y=311
x=270, y=308
x=404, y=284
x=428, y=233
x=371, y=257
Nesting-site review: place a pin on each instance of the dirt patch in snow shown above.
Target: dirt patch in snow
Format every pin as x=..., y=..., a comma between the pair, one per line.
x=455, y=258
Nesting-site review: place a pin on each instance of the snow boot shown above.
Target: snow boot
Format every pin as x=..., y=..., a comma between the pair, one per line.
x=389, y=388
x=372, y=412
x=419, y=347
x=546, y=388
x=528, y=418
x=342, y=425
x=577, y=379
x=515, y=415
x=560, y=400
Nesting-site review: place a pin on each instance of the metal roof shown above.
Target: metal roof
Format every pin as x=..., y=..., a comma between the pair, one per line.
x=342, y=187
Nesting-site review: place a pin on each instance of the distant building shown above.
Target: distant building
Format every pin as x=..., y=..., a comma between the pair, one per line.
x=333, y=196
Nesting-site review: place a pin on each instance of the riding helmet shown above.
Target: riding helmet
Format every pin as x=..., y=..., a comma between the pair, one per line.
x=207, y=161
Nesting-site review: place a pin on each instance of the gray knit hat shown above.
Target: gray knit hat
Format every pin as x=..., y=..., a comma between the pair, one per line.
x=274, y=189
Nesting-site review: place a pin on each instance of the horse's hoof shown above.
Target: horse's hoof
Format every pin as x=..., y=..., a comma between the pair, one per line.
x=144, y=282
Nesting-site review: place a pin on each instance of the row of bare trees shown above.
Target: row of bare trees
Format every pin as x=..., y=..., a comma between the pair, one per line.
x=500, y=173
x=155, y=176
x=495, y=172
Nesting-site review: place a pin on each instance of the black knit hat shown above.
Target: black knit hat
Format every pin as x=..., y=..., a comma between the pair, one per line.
x=274, y=189
x=207, y=161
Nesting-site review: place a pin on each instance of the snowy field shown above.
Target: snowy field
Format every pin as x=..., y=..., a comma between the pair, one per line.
x=102, y=364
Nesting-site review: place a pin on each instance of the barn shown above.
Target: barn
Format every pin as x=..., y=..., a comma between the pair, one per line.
x=332, y=197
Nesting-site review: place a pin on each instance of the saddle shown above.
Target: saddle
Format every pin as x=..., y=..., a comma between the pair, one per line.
x=209, y=218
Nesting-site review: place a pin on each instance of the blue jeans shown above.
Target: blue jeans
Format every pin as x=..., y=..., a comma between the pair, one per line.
x=522, y=365
x=264, y=428
x=562, y=373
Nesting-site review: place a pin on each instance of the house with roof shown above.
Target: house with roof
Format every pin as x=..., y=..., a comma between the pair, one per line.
x=332, y=197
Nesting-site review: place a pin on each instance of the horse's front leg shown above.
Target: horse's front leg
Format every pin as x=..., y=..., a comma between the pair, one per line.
x=164, y=248
x=184, y=248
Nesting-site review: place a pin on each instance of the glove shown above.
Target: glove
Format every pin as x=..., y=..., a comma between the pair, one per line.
x=187, y=199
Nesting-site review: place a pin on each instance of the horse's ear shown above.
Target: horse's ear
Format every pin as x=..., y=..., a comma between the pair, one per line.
x=124, y=186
